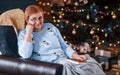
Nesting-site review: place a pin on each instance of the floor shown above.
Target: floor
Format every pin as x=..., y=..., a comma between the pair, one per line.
x=113, y=71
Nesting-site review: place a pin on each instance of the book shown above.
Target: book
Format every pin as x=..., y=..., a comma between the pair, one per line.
x=75, y=61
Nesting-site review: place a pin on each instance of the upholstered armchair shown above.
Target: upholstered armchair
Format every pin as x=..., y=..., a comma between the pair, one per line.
x=10, y=62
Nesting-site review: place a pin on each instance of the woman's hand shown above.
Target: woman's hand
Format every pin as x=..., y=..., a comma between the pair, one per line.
x=81, y=58
x=29, y=30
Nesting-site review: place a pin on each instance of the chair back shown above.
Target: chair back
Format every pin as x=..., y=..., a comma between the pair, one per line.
x=8, y=41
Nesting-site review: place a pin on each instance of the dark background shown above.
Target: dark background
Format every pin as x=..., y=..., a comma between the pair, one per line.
x=12, y=4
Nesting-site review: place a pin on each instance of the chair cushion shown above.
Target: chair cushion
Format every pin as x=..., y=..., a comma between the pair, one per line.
x=13, y=17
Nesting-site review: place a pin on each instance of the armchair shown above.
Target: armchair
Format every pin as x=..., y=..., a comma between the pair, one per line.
x=17, y=66
x=10, y=61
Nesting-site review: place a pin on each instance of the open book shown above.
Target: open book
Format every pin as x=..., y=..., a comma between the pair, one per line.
x=75, y=61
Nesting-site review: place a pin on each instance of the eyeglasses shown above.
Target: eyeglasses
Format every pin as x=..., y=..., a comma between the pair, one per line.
x=36, y=19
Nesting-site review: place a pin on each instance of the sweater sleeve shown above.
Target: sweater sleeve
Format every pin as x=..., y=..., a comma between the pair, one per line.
x=24, y=48
x=67, y=49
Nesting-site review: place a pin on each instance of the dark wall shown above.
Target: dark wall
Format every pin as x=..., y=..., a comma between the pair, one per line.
x=11, y=4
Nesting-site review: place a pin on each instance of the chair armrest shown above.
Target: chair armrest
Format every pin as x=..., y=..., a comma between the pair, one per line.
x=16, y=66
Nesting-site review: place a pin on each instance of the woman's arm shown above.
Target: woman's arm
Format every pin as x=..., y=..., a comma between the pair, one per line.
x=25, y=45
x=67, y=49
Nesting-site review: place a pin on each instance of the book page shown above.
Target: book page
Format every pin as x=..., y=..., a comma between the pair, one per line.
x=75, y=61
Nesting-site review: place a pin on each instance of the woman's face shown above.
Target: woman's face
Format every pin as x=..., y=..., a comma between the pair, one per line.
x=36, y=20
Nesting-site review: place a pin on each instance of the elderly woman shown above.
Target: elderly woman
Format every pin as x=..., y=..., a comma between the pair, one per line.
x=43, y=42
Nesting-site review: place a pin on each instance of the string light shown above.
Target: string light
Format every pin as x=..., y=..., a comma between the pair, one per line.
x=81, y=10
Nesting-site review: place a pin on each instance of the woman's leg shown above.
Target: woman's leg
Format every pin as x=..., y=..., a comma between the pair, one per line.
x=90, y=67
